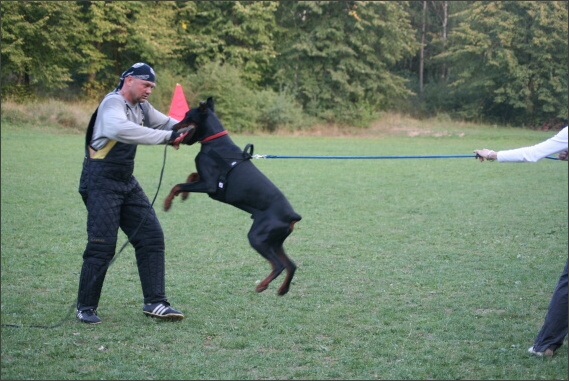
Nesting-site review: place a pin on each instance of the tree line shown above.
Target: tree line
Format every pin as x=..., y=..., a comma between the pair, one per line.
x=281, y=63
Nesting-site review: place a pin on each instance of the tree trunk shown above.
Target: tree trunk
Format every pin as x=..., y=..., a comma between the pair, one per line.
x=444, y=38
x=422, y=52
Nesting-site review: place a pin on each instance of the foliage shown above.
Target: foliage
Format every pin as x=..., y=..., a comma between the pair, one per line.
x=235, y=103
x=38, y=44
x=240, y=108
x=342, y=53
x=119, y=35
x=437, y=19
x=279, y=111
x=237, y=33
x=344, y=62
x=510, y=62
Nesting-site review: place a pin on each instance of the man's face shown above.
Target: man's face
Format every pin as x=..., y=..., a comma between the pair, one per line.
x=138, y=90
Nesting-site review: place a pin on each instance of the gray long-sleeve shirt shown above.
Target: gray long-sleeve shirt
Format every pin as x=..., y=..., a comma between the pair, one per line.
x=124, y=122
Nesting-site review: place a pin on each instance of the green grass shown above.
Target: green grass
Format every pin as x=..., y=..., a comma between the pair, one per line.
x=408, y=269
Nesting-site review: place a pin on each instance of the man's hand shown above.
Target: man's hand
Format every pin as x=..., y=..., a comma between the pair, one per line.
x=562, y=155
x=485, y=154
x=181, y=136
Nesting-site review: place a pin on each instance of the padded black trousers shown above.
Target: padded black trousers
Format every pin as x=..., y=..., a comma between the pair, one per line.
x=114, y=199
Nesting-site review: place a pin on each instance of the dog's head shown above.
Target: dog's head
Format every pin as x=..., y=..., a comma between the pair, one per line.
x=203, y=119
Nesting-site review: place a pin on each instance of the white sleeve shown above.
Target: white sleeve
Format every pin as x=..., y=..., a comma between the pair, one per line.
x=536, y=152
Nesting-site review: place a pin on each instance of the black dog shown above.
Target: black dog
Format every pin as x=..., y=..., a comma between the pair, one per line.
x=226, y=174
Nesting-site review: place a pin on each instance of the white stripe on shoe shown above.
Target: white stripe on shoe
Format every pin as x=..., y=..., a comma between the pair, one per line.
x=163, y=311
x=160, y=310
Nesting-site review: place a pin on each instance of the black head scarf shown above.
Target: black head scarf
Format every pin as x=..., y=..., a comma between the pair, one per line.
x=139, y=70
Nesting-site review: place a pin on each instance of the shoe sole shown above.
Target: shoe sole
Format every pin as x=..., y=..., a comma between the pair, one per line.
x=169, y=317
x=89, y=322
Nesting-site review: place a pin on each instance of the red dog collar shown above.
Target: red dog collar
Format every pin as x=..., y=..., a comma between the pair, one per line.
x=214, y=136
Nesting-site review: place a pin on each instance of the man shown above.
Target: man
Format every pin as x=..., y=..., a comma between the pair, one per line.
x=113, y=197
x=555, y=325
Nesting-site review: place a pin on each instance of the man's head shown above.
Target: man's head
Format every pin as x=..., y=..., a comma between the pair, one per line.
x=136, y=83
x=139, y=70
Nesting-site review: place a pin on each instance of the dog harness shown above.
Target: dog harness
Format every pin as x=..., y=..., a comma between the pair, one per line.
x=227, y=161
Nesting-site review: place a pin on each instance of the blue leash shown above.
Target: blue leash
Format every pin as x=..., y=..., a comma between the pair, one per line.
x=360, y=157
x=371, y=157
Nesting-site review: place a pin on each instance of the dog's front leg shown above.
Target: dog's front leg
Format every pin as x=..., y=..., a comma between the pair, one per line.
x=173, y=193
x=193, y=177
x=195, y=183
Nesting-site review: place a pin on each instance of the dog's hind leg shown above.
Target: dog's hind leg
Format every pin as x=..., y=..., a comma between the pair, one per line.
x=277, y=270
x=288, y=263
x=279, y=262
x=290, y=270
x=193, y=177
x=271, y=248
x=258, y=242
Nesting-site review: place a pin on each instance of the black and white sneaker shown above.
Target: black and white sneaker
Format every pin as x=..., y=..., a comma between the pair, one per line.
x=162, y=310
x=88, y=316
x=548, y=352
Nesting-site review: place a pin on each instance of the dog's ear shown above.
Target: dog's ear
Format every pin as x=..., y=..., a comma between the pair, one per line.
x=210, y=103
x=202, y=107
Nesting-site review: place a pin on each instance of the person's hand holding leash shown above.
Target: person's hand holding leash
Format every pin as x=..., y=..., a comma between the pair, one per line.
x=485, y=154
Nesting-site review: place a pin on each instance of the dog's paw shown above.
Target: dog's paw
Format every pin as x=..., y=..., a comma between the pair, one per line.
x=283, y=290
x=167, y=205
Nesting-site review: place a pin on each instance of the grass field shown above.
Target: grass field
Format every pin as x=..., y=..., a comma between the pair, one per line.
x=407, y=268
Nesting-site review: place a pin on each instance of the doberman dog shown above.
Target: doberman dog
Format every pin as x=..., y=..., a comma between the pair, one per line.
x=225, y=172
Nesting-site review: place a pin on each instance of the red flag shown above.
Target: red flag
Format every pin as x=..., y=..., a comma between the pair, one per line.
x=179, y=105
